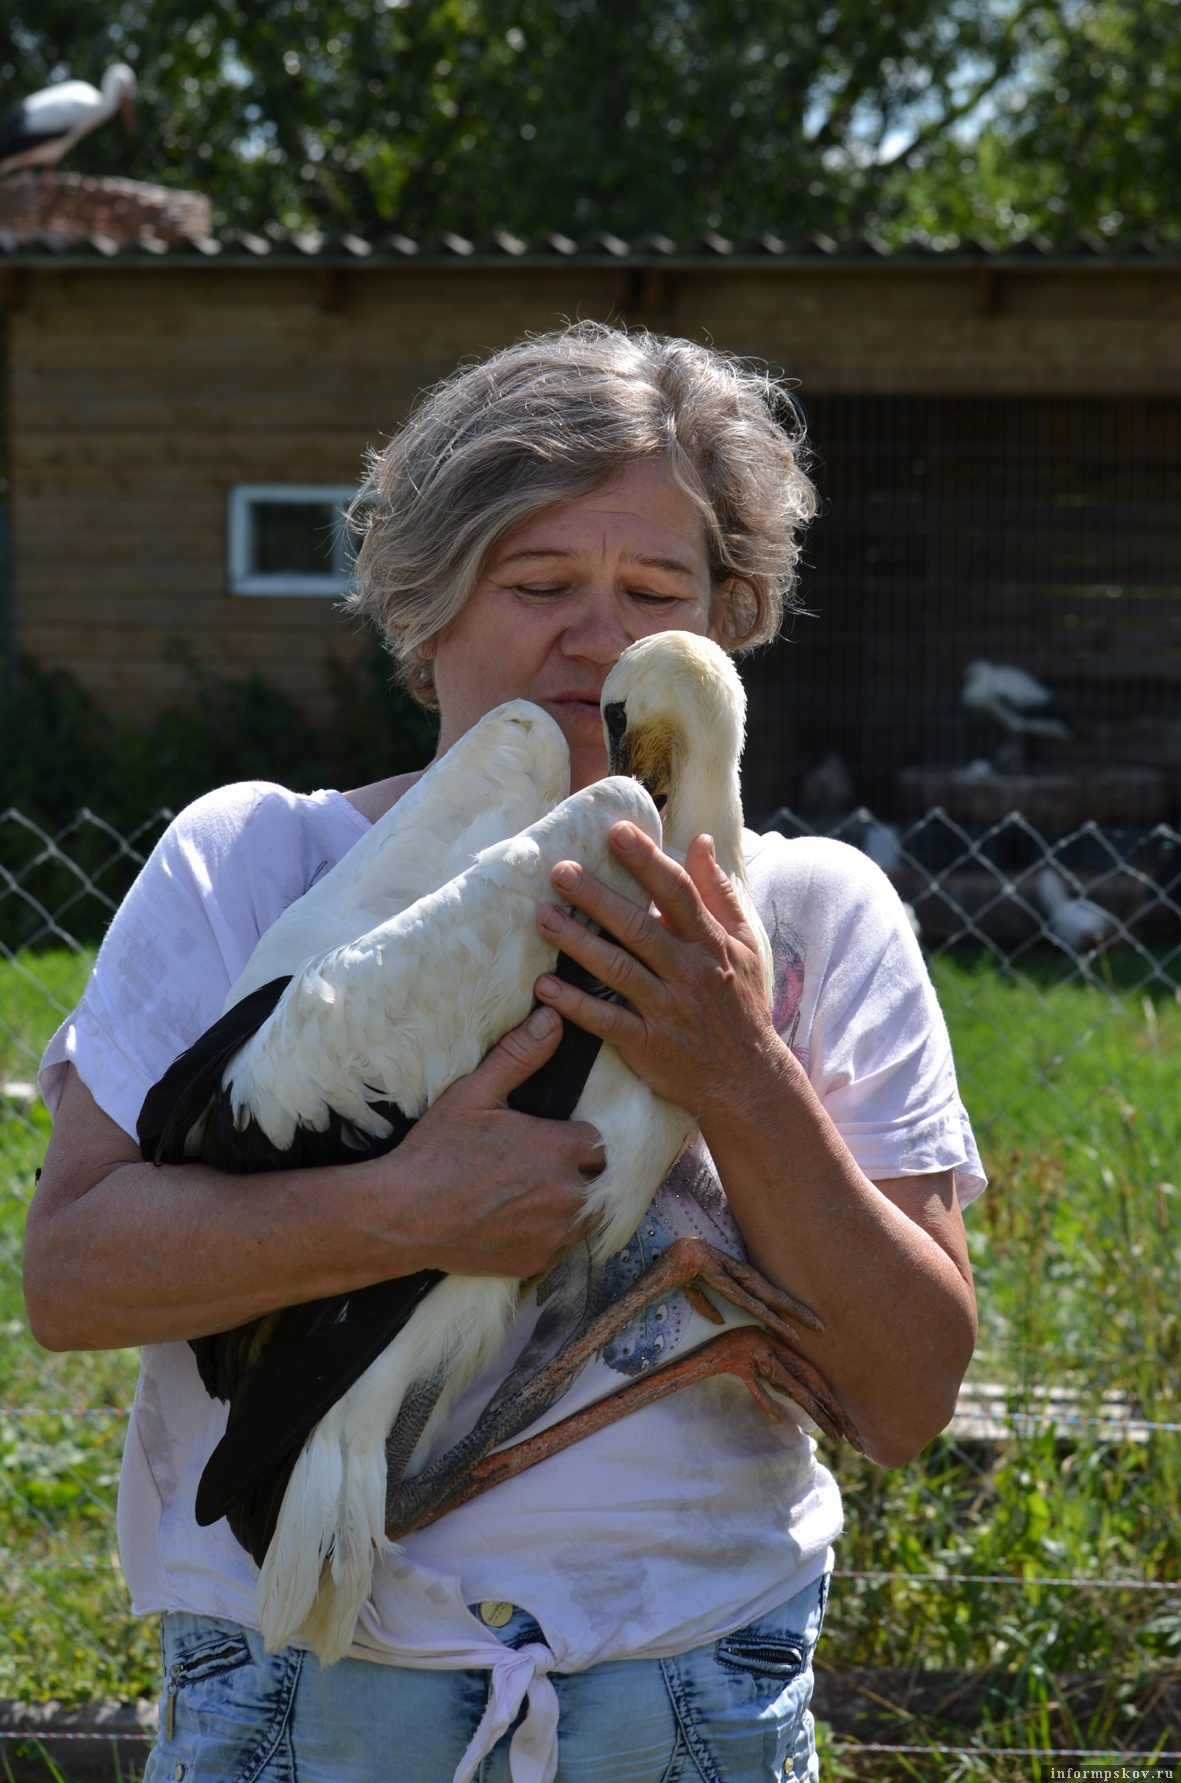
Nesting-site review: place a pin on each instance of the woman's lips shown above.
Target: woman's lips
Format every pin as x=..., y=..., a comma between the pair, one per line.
x=582, y=707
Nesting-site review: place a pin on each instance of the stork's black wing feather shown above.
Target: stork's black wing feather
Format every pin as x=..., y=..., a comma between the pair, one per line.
x=307, y=1357
x=16, y=138
x=552, y=1092
x=189, y=1101
x=185, y=1094
x=281, y=1373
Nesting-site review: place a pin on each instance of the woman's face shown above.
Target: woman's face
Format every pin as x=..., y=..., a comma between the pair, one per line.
x=563, y=596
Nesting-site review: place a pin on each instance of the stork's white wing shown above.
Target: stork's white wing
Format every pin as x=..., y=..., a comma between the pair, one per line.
x=56, y=110
x=405, y=1010
x=1020, y=688
x=498, y=779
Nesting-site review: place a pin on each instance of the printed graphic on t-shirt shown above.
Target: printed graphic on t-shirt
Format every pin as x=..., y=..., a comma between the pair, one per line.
x=787, y=952
x=690, y=1203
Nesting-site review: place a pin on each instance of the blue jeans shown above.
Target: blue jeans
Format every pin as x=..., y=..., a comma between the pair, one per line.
x=735, y=1711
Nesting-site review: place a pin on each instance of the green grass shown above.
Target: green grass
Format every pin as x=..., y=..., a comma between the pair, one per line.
x=1074, y=1091
x=1074, y=1094
x=36, y=991
x=65, y=1626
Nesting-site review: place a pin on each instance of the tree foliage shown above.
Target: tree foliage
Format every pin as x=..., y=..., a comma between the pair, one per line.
x=470, y=115
x=1085, y=137
x=674, y=116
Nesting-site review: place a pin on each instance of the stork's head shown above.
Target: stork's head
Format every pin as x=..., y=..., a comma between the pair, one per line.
x=673, y=712
x=118, y=90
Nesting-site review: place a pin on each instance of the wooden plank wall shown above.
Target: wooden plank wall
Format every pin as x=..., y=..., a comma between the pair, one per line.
x=136, y=402
x=137, y=397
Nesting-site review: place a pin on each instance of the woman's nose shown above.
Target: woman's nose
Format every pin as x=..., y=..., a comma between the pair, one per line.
x=597, y=634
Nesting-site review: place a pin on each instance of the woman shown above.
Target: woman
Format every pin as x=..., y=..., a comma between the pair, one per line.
x=642, y=1607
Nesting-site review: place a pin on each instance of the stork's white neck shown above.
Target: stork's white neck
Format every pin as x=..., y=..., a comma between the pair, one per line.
x=706, y=798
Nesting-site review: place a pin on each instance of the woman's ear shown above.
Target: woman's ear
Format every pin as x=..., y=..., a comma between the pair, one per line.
x=723, y=591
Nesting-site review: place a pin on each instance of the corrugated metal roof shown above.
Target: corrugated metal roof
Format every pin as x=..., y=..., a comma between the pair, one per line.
x=282, y=248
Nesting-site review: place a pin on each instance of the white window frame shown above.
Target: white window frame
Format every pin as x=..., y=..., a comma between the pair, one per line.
x=243, y=579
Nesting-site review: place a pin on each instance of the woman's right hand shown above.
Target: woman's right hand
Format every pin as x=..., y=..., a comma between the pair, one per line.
x=119, y=1252
x=484, y=1190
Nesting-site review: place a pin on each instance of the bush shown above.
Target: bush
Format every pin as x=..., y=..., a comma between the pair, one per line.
x=59, y=752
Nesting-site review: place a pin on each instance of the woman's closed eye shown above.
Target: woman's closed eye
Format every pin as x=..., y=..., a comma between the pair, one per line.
x=653, y=597
x=648, y=596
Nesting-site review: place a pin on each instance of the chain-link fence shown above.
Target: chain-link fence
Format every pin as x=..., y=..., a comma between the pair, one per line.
x=1014, y=1593
x=1010, y=1596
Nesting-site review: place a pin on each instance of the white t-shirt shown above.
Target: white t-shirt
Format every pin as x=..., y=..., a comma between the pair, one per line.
x=669, y=1528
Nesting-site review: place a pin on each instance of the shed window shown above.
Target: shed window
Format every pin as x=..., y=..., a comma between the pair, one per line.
x=289, y=538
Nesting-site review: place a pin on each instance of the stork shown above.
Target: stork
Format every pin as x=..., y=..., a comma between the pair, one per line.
x=335, y=1055
x=47, y=125
x=1017, y=700
x=1077, y=924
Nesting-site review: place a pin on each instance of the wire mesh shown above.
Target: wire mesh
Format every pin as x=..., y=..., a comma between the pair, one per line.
x=1018, y=529
x=1014, y=1591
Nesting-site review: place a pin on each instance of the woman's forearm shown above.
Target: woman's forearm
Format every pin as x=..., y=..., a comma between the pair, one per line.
x=884, y=1267
x=119, y=1252
x=148, y=1255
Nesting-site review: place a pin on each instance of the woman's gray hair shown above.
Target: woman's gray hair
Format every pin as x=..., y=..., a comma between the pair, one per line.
x=550, y=419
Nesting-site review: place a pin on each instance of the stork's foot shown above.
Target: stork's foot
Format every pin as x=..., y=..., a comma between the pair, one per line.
x=688, y=1266
x=755, y=1356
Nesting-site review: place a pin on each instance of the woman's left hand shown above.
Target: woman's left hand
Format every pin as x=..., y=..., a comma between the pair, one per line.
x=885, y=1267
x=694, y=1025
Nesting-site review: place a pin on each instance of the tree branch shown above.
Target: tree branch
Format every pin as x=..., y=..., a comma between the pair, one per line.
x=946, y=119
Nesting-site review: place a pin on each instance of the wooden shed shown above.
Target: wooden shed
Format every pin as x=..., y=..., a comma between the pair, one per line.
x=998, y=438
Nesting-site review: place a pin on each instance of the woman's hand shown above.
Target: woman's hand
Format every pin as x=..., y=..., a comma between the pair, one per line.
x=694, y=1025
x=885, y=1267
x=119, y=1252
x=484, y=1190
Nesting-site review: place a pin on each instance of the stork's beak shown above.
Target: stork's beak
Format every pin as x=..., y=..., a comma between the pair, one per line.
x=649, y=770
x=127, y=108
x=615, y=725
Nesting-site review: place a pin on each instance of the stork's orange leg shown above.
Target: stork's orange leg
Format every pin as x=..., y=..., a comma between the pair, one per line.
x=747, y=1351
x=689, y=1266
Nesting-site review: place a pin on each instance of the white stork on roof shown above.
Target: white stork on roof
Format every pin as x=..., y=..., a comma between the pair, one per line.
x=47, y=124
